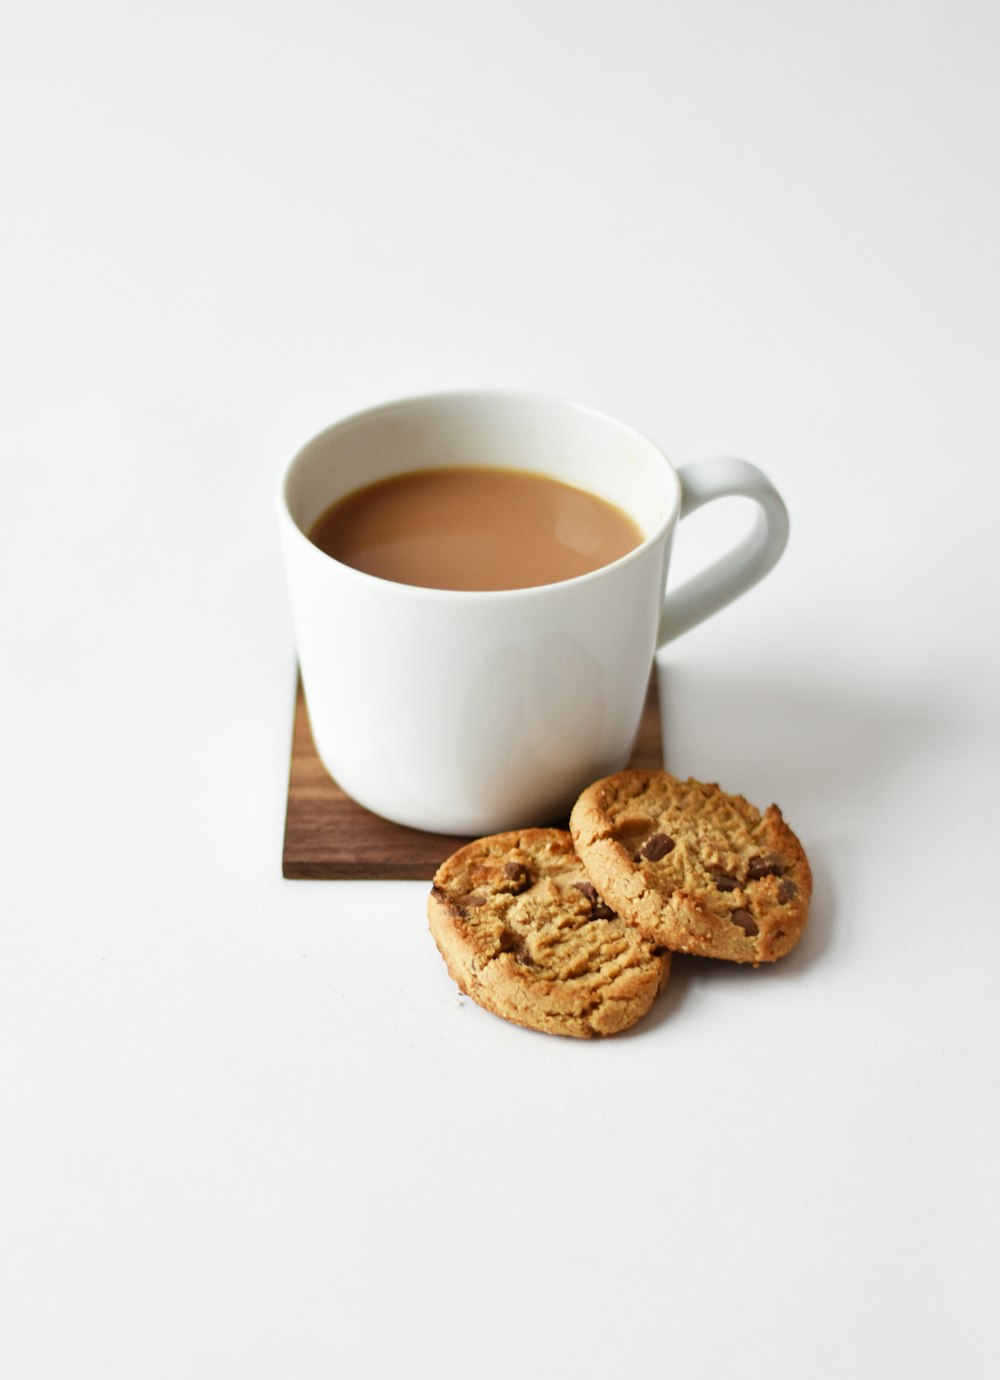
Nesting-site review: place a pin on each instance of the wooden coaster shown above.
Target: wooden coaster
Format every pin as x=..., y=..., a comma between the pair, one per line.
x=329, y=836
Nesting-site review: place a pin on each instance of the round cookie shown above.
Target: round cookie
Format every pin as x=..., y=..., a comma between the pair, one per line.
x=524, y=933
x=694, y=869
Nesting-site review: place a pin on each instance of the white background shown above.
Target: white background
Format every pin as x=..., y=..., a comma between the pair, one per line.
x=248, y=1130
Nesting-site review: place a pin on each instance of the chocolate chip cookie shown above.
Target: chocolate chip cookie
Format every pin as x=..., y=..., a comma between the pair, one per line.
x=526, y=934
x=696, y=870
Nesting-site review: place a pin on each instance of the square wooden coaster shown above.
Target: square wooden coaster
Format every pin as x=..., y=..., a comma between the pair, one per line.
x=328, y=836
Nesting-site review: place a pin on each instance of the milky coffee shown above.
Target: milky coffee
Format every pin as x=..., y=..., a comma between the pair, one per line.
x=474, y=528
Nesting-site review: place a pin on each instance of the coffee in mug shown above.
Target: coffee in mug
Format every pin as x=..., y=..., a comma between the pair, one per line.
x=471, y=527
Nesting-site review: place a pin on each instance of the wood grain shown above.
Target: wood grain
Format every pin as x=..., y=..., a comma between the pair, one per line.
x=328, y=836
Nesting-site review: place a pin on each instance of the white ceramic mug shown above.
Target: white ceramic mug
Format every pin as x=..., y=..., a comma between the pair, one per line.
x=467, y=712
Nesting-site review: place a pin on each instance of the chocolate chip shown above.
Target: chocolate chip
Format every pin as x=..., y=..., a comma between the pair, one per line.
x=745, y=920
x=519, y=875
x=786, y=890
x=723, y=880
x=472, y=900
x=657, y=846
x=599, y=910
x=767, y=865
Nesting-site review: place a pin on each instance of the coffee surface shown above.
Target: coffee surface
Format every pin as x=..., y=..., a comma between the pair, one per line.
x=474, y=528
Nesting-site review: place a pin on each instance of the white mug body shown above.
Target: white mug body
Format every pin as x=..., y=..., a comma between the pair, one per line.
x=468, y=712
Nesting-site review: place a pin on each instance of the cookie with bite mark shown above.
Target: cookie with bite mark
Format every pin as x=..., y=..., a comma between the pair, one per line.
x=525, y=933
x=694, y=869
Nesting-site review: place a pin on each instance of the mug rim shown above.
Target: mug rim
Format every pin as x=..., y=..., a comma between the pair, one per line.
x=401, y=589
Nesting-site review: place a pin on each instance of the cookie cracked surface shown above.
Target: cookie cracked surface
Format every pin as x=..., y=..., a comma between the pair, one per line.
x=526, y=934
x=695, y=870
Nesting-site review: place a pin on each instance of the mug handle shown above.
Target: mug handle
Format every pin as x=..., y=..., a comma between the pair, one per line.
x=733, y=574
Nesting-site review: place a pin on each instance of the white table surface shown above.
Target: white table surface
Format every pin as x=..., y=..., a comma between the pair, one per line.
x=248, y=1129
